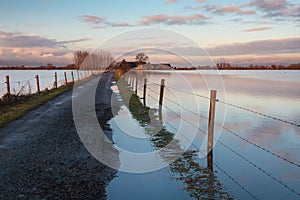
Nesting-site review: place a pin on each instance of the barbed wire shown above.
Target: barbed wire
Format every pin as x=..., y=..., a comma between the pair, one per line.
x=43, y=77
x=22, y=81
x=235, y=106
x=184, y=108
x=260, y=147
x=223, y=171
x=259, y=113
x=170, y=110
x=237, y=135
x=183, y=91
x=241, y=156
x=259, y=168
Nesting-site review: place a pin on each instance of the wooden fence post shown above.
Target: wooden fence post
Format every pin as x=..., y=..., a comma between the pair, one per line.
x=78, y=78
x=161, y=94
x=66, y=80
x=38, y=83
x=145, y=88
x=8, y=86
x=211, y=122
x=55, y=80
x=72, y=74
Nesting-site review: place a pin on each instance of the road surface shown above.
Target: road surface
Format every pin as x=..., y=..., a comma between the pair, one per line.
x=42, y=157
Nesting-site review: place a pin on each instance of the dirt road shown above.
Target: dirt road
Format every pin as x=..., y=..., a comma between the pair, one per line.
x=42, y=157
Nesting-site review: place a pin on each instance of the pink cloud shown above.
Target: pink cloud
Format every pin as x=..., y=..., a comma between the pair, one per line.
x=102, y=22
x=120, y=24
x=11, y=39
x=276, y=9
x=171, y=1
x=196, y=19
x=268, y=5
x=93, y=19
x=229, y=9
x=257, y=29
x=273, y=46
x=259, y=59
x=17, y=48
x=35, y=56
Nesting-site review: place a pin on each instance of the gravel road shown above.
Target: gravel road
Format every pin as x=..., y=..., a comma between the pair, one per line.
x=42, y=157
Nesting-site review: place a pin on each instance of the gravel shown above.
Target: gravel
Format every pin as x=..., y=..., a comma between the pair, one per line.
x=42, y=157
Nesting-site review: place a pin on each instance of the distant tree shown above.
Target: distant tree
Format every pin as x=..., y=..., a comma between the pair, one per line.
x=141, y=58
x=79, y=57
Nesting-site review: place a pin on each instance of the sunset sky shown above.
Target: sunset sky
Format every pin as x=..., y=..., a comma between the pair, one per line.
x=36, y=32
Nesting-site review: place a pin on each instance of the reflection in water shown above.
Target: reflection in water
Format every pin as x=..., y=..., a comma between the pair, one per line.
x=198, y=181
x=277, y=97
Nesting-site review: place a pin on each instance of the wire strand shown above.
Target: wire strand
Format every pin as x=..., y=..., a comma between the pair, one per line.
x=259, y=168
x=223, y=171
x=260, y=147
x=236, y=153
x=259, y=113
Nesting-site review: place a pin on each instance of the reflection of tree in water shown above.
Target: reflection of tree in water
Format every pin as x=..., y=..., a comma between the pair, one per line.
x=199, y=182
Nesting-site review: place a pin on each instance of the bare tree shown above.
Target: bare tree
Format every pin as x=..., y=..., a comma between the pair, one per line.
x=96, y=60
x=79, y=57
x=141, y=58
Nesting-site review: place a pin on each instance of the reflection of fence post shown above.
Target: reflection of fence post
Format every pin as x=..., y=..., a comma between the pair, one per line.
x=161, y=94
x=55, y=80
x=66, y=80
x=129, y=80
x=38, y=83
x=211, y=122
x=78, y=78
x=136, y=84
x=145, y=87
x=72, y=74
x=8, y=85
x=132, y=83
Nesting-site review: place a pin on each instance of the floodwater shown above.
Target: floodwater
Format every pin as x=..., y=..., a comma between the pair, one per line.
x=24, y=81
x=257, y=136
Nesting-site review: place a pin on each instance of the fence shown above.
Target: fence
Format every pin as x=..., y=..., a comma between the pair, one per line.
x=132, y=81
x=38, y=83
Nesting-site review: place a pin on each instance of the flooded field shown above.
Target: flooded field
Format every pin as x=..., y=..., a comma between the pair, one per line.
x=24, y=81
x=257, y=136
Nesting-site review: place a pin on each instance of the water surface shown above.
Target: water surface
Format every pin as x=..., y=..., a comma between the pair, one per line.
x=244, y=170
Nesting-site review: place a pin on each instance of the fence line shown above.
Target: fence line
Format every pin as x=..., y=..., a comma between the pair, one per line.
x=184, y=108
x=259, y=113
x=191, y=93
x=233, y=151
x=190, y=123
x=232, y=132
x=236, y=106
x=260, y=147
x=32, y=84
x=223, y=171
x=259, y=168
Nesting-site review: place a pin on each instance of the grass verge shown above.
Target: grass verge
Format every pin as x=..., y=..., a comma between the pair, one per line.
x=10, y=113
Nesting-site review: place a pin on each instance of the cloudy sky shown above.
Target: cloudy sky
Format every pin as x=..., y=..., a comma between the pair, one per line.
x=35, y=32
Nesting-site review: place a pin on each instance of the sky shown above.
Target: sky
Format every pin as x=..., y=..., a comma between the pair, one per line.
x=37, y=32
